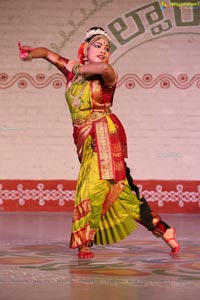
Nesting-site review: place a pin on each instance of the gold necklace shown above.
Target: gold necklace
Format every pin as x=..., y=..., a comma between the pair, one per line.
x=76, y=100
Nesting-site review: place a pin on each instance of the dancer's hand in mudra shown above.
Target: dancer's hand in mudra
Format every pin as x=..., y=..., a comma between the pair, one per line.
x=25, y=52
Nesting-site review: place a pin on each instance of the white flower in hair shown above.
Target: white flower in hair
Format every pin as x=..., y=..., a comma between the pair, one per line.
x=92, y=32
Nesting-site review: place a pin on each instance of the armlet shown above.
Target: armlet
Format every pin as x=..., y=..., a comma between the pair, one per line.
x=61, y=64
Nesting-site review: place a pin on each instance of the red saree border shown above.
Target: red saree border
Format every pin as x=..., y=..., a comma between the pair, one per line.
x=81, y=210
x=82, y=237
x=110, y=154
x=164, y=196
x=104, y=149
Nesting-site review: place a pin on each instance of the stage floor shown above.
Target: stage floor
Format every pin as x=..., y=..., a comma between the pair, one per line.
x=36, y=263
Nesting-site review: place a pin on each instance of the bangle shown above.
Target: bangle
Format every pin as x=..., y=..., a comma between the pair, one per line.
x=30, y=57
x=26, y=58
x=76, y=69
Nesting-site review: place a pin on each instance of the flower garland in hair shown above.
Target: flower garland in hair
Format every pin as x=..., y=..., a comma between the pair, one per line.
x=98, y=31
x=81, y=54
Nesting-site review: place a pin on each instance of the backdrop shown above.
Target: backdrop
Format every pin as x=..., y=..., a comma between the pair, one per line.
x=155, y=50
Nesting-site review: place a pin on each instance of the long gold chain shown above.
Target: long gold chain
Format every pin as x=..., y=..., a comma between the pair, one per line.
x=76, y=100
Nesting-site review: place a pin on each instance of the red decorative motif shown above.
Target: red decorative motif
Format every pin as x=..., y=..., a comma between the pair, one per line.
x=40, y=77
x=164, y=80
x=40, y=193
x=54, y=195
x=39, y=82
x=3, y=77
x=147, y=78
x=179, y=195
x=129, y=80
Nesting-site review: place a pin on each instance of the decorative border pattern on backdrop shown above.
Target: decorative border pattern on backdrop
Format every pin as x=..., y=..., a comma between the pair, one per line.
x=58, y=195
x=130, y=81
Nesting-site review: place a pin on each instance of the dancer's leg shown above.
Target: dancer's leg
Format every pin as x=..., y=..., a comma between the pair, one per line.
x=153, y=222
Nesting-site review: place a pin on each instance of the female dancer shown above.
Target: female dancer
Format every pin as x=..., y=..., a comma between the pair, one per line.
x=107, y=202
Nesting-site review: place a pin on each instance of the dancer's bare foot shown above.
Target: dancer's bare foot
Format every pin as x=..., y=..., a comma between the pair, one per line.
x=85, y=253
x=170, y=238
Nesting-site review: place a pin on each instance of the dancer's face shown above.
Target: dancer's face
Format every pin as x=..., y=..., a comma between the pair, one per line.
x=99, y=51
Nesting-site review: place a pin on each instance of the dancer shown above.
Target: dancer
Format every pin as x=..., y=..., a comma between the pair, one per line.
x=107, y=202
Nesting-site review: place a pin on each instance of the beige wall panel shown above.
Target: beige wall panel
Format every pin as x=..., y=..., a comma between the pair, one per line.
x=157, y=97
